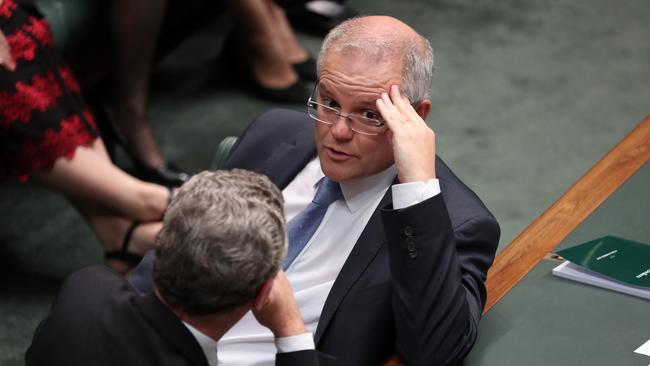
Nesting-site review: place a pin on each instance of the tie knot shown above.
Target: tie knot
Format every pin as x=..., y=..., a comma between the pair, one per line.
x=327, y=192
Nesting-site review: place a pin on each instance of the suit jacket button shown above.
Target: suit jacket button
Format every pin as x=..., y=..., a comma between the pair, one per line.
x=413, y=254
x=411, y=247
x=408, y=230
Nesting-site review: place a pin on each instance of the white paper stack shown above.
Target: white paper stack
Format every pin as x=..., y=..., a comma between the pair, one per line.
x=577, y=273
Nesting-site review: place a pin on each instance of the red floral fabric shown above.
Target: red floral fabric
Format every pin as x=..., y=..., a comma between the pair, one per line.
x=61, y=143
x=42, y=114
x=8, y=6
x=40, y=94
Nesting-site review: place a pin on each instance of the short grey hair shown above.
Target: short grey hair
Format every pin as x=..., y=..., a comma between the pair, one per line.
x=417, y=55
x=223, y=236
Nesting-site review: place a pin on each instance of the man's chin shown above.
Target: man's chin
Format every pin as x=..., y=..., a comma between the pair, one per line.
x=336, y=172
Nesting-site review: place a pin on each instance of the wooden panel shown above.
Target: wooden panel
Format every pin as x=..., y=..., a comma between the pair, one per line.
x=559, y=220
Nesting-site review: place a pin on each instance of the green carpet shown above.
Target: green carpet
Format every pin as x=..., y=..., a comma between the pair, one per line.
x=528, y=95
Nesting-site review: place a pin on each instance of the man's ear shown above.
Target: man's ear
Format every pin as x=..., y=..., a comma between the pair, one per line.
x=262, y=297
x=423, y=108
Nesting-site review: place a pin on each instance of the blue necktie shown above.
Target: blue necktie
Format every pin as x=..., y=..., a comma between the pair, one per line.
x=302, y=227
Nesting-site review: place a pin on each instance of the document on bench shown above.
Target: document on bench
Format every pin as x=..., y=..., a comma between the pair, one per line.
x=609, y=262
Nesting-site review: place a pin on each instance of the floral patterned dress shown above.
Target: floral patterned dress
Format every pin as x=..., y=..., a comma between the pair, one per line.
x=42, y=114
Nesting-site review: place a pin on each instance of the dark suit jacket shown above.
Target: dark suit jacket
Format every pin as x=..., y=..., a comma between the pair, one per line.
x=414, y=282
x=99, y=319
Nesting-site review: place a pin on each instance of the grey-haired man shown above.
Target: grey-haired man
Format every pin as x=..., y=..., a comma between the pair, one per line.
x=218, y=257
x=397, y=264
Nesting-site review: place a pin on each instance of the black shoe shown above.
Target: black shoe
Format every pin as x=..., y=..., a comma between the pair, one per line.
x=129, y=259
x=166, y=175
x=306, y=69
x=295, y=93
x=235, y=60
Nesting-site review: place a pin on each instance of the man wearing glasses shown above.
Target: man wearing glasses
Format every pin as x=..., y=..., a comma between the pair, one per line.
x=397, y=264
x=395, y=261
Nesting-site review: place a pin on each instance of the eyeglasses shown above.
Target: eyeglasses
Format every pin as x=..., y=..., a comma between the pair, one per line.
x=330, y=115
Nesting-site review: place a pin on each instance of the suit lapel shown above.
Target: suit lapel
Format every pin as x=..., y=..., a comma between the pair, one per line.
x=365, y=249
x=288, y=159
x=170, y=328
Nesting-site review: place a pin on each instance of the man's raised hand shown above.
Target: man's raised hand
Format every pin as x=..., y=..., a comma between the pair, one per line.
x=414, y=143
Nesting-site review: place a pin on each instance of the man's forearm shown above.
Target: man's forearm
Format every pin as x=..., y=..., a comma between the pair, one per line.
x=437, y=301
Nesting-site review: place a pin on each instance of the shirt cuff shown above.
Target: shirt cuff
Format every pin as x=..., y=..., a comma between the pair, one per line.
x=409, y=194
x=299, y=342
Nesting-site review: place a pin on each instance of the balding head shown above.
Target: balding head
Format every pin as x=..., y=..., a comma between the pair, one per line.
x=385, y=39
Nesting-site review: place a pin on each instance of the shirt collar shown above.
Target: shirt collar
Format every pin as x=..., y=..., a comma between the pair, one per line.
x=208, y=345
x=358, y=192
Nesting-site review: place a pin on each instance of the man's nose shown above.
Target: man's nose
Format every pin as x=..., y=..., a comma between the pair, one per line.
x=341, y=128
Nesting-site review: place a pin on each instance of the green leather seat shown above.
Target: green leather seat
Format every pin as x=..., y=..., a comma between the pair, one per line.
x=69, y=19
x=223, y=150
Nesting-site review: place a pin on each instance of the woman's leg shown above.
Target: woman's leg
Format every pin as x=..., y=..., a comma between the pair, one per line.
x=292, y=48
x=135, y=26
x=91, y=177
x=111, y=231
x=268, y=60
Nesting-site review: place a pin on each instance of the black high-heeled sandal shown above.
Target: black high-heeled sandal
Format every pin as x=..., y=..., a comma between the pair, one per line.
x=123, y=254
x=306, y=69
x=167, y=174
x=294, y=93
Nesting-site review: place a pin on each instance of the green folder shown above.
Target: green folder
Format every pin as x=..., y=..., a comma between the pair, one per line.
x=620, y=259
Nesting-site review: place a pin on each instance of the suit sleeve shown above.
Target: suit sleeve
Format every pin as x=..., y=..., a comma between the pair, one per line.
x=304, y=358
x=438, y=275
x=72, y=334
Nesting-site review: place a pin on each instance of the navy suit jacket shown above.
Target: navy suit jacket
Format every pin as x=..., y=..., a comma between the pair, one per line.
x=414, y=281
x=99, y=319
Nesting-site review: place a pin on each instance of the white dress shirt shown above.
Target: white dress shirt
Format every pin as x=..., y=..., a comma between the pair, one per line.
x=314, y=270
x=282, y=344
x=208, y=345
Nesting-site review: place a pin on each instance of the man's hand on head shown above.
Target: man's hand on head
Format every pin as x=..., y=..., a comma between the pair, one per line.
x=280, y=312
x=414, y=143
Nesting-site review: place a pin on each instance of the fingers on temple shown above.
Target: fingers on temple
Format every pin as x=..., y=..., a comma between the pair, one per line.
x=396, y=110
x=397, y=98
x=389, y=112
x=404, y=105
